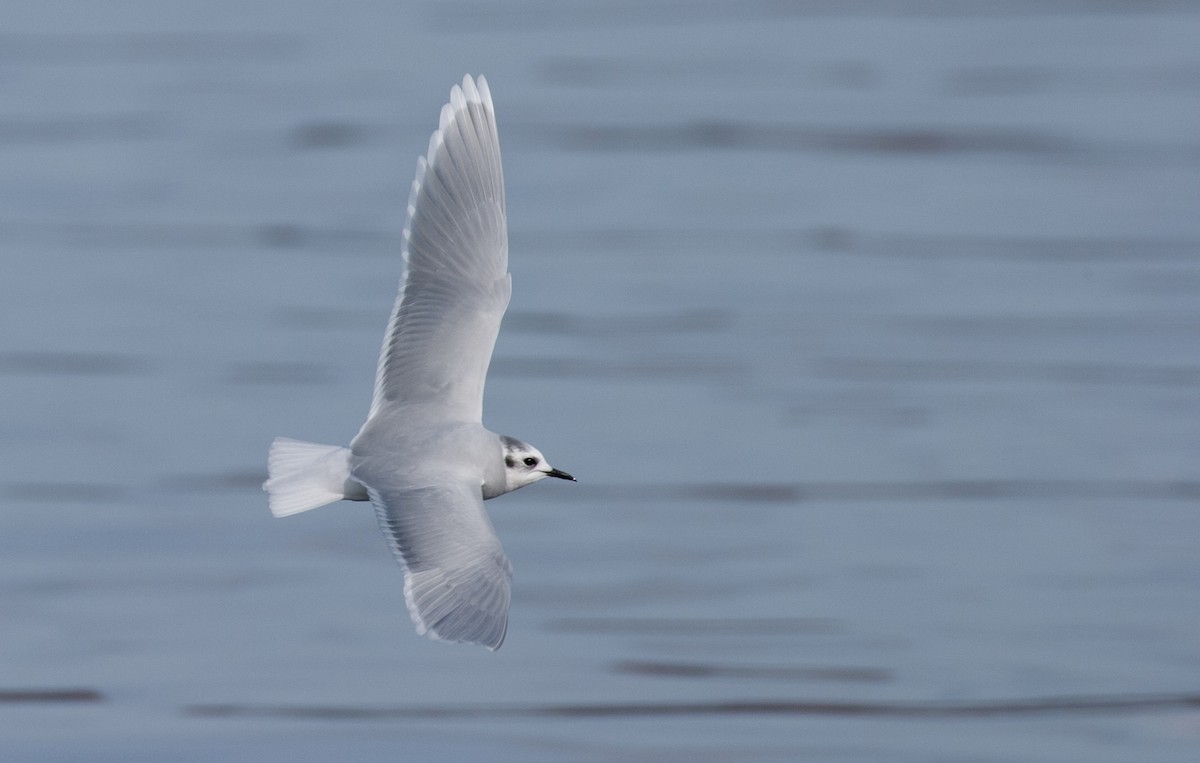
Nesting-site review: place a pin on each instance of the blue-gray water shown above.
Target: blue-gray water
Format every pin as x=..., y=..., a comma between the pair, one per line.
x=872, y=333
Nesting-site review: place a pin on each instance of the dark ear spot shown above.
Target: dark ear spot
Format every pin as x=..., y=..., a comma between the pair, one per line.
x=510, y=462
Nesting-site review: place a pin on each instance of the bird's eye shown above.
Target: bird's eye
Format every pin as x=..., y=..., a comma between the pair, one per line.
x=530, y=461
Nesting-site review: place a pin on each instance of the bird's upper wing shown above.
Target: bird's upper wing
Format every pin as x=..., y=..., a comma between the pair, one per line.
x=456, y=575
x=456, y=284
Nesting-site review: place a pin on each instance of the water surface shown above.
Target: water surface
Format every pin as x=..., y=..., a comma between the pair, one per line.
x=873, y=336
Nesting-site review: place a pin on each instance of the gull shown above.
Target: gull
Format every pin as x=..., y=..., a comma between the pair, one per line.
x=423, y=457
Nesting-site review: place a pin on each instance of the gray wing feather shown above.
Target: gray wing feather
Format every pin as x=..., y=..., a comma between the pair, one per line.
x=456, y=575
x=456, y=284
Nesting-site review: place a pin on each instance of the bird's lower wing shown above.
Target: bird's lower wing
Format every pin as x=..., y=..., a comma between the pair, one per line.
x=456, y=575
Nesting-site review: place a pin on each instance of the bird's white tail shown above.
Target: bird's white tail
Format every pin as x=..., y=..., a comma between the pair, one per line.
x=304, y=475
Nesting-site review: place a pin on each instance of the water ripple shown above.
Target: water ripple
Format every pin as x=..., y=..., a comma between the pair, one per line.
x=1001, y=708
x=42, y=696
x=847, y=674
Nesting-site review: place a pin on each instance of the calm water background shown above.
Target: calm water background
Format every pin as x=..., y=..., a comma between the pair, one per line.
x=872, y=331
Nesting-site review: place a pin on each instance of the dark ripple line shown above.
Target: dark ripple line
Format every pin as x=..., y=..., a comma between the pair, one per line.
x=746, y=626
x=1124, y=249
x=839, y=240
x=720, y=134
x=893, y=370
x=44, y=363
x=281, y=373
x=698, y=369
x=120, y=127
x=830, y=239
x=684, y=321
x=1006, y=325
x=1004, y=708
x=951, y=490
x=965, y=81
x=214, y=483
x=39, y=696
x=281, y=235
x=64, y=492
x=145, y=47
x=845, y=674
x=472, y=15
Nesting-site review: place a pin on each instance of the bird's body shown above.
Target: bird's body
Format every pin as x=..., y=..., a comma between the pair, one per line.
x=423, y=457
x=449, y=450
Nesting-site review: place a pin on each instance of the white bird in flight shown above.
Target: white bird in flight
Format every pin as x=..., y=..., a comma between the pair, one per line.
x=423, y=457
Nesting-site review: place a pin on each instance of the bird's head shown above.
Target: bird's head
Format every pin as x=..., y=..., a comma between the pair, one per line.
x=525, y=465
